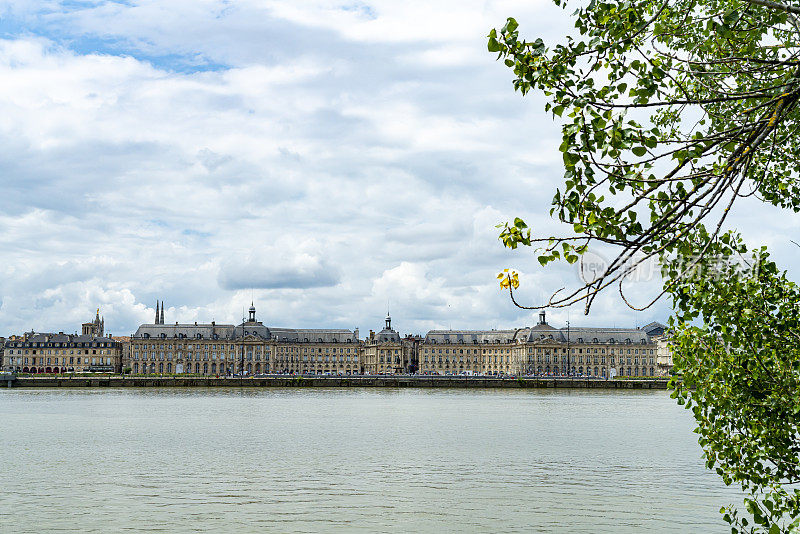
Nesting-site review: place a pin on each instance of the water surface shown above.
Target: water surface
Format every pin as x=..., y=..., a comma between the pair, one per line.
x=371, y=460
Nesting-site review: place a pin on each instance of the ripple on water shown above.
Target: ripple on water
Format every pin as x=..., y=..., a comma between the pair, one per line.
x=352, y=460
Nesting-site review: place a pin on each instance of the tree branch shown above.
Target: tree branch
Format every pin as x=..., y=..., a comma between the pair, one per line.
x=776, y=5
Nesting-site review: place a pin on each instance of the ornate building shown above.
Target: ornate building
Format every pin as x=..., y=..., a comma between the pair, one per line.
x=36, y=353
x=250, y=348
x=386, y=353
x=596, y=352
x=541, y=350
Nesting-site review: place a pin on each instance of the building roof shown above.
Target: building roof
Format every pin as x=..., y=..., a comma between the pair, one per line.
x=474, y=336
x=387, y=335
x=247, y=329
x=47, y=338
x=192, y=331
x=314, y=335
x=655, y=328
x=541, y=332
x=591, y=335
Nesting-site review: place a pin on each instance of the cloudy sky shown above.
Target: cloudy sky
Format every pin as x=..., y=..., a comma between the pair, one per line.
x=322, y=158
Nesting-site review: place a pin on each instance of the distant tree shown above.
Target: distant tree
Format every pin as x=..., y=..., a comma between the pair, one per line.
x=671, y=111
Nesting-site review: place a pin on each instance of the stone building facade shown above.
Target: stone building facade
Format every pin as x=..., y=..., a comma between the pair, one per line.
x=249, y=348
x=386, y=353
x=541, y=350
x=91, y=351
x=470, y=352
x=61, y=353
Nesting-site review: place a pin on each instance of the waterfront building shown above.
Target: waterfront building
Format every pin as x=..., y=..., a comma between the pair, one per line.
x=413, y=344
x=125, y=344
x=385, y=353
x=249, y=348
x=91, y=351
x=470, y=352
x=541, y=350
x=588, y=351
x=252, y=348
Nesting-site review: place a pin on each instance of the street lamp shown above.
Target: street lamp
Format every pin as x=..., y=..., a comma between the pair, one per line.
x=241, y=365
x=569, y=369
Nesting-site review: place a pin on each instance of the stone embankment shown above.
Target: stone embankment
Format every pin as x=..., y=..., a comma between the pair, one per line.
x=335, y=381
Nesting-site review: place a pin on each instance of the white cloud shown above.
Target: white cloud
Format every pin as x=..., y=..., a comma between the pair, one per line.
x=325, y=158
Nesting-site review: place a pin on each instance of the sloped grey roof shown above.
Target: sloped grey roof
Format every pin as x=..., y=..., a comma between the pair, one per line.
x=47, y=338
x=231, y=332
x=251, y=329
x=655, y=328
x=538, y=333
x=387, y=335
x=207, y=331
x=474, y=336
x=314, y=335
x=591, y=335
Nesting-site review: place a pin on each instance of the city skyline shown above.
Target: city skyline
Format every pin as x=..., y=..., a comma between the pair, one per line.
x=164, y=315
x=253, y=348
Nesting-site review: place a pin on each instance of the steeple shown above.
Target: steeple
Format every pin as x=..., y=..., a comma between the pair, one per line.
x=252, y=313
x=162, y=312
x=96, y=328
x=388, y=321
x=156, y=321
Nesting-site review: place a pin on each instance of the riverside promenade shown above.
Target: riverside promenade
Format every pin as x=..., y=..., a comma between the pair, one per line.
x=401, y=381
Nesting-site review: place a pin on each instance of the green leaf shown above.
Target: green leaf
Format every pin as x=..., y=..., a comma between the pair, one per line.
x=511, y=25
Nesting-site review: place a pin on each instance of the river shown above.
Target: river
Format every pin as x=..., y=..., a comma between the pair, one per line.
x=345, y=460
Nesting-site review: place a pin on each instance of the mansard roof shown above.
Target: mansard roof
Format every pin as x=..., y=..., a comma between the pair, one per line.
x=474, y=336
x=655, y=328
x=387, y=335
x=590, y=335
x=540, y=332
x=314, y=335
x=49, y=338
x=192, y=331
x=249, y=329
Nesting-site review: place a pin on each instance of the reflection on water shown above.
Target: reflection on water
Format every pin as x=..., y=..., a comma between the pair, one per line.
x=309, y=460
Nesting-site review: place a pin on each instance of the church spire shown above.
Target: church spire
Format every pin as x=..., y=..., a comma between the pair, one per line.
x=162, y=312
x=156, y=321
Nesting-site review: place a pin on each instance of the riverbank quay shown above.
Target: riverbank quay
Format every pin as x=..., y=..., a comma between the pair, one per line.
x=333, y=382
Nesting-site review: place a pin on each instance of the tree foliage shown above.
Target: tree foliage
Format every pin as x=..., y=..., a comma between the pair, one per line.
x=670, y=112
x=741, y=379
